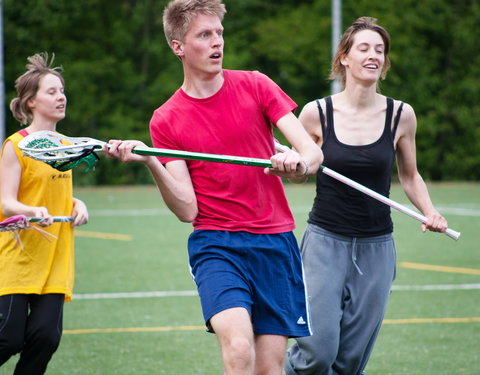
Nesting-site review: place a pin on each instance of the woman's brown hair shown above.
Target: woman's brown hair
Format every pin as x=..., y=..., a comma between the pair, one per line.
x=27, y=85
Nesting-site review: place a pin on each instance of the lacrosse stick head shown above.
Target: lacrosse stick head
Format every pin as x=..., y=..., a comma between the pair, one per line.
x=60, y=152
x=14, y=223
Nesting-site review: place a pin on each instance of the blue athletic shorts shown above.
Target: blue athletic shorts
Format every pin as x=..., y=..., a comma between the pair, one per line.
x=261, y=272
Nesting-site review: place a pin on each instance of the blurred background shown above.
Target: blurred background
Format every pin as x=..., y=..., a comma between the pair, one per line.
x=119, y=69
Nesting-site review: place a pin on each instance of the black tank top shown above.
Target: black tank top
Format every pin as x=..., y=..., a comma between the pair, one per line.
x=340, y=208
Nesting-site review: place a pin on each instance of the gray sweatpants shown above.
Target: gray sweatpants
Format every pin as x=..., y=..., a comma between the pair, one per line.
x=348, y=283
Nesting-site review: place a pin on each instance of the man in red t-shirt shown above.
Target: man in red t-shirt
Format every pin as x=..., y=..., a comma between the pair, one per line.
x=242, y=252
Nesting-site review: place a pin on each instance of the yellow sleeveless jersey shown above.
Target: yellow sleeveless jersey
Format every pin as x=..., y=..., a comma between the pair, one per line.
x=44, y=265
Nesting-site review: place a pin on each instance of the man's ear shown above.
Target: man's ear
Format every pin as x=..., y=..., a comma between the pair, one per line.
x=177, y=47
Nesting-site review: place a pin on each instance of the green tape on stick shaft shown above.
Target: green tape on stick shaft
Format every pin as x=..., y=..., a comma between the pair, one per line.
x=202, y=156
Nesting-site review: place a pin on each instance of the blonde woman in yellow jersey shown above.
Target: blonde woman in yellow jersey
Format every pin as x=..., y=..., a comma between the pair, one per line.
x=36, y=280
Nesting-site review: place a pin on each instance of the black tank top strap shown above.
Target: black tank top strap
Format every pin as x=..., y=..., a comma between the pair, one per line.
x=322, y=116
x=397, y=120
x=389, y=115
x=328, y=102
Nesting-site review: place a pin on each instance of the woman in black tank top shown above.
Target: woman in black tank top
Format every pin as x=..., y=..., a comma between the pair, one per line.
x=348, y=249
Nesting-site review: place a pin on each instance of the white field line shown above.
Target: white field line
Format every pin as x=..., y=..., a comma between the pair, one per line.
x=436, y=287
x=190, y=293
x=155, y=294
x=459, y=211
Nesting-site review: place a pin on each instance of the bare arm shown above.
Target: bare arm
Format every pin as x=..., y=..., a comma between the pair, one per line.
x=307, y=157
x=410, y=179
x=310, y=121
x=172, y=180
x=10, y=175
x=176, y=188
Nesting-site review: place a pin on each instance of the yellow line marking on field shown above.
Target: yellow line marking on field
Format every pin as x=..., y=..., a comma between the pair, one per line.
x=133, y=329
x=431, y=320
x=103, y=236
x=430, y=267
x=202, y=328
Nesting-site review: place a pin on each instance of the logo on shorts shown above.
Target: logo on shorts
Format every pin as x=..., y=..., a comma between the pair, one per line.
x=301, y=321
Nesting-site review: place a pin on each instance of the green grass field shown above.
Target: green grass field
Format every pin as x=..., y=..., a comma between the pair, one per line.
x=136, y=311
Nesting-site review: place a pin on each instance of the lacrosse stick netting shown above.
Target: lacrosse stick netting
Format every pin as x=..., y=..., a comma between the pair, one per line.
x=61, y=152
x=14, y=224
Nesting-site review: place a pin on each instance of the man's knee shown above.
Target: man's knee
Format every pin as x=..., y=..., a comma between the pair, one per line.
x=240, y=350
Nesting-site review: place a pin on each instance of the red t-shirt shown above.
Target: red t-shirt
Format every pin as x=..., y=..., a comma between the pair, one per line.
x=234, y=121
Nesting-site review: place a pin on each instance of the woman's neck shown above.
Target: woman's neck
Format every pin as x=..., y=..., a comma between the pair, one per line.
x=36, y=126
x=359, y=97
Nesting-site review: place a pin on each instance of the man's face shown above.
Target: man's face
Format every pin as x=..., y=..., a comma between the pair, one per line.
x=202, y=48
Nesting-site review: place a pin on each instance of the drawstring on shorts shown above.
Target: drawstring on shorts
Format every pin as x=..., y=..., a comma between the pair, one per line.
x=354, y=256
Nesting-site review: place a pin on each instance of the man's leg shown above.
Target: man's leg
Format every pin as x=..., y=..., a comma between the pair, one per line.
x=269, y=354
x=235, y=335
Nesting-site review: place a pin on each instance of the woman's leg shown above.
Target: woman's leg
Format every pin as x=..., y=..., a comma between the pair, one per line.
x=43, y=333
x=13, y=320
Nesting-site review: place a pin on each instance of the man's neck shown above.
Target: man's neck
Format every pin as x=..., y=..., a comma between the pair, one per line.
x=202, y=87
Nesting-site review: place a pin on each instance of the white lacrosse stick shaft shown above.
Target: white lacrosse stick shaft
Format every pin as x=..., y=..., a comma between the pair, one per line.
x=449, y=232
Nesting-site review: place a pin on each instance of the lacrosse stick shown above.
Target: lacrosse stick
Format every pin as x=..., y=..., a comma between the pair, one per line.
x=449, y=232
x=68, y=152
x=64, y=153
x=413, y=214
x=16, y=223
x=56, y=219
